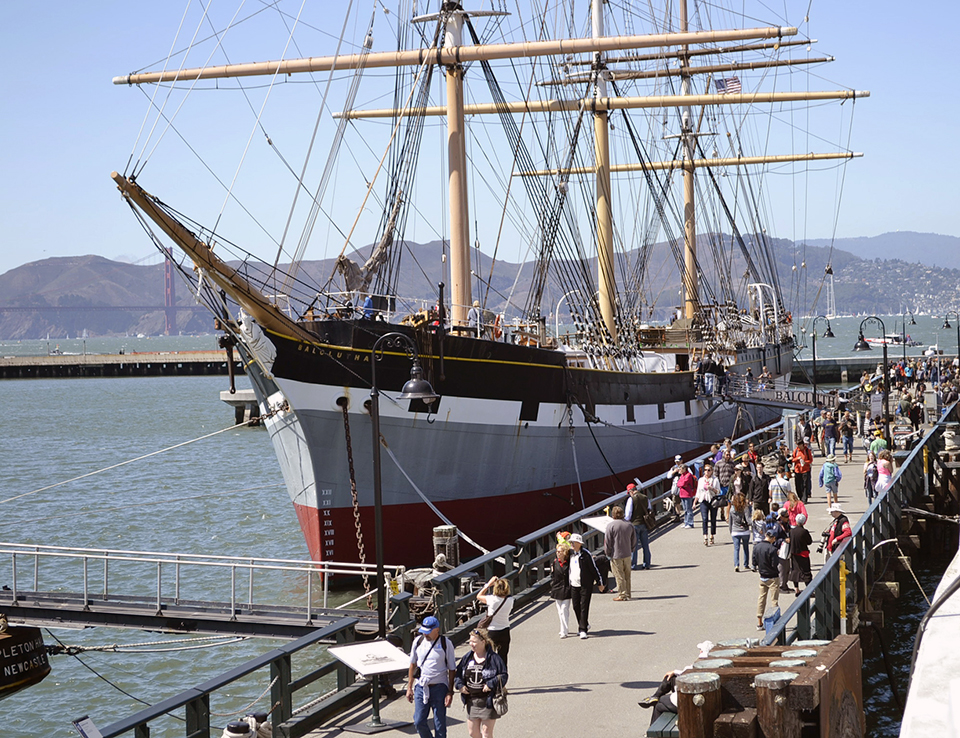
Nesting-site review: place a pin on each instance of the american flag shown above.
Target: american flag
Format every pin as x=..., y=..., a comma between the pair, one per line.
x=728, y=85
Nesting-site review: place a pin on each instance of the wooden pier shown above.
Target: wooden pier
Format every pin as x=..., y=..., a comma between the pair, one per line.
x=137, y=364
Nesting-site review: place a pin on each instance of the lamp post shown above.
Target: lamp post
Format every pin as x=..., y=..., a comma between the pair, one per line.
x=862, y=345
x=946, y=324
x=417, y=388
x=826, y=334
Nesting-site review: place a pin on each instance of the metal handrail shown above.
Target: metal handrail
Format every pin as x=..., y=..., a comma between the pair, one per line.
x=277, y=663
x=816, y=612
x=115, y=558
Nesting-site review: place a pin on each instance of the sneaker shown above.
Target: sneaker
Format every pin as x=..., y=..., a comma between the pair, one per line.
x=563, y=635
x=760, y=627
x=648, y=702
x=583, y=635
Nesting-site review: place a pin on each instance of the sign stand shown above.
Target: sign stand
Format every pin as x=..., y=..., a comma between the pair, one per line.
x=371, y=659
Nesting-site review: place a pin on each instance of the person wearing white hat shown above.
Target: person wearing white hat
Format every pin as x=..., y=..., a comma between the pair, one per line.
x=583, y=575
x=840, y=529
x=830, y=476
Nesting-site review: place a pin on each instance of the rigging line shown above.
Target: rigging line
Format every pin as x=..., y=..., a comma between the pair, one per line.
x=173, y=87
x=423, y=497
x=257, y=124
x=141, y=647
x=318, y=198
x=400, y=119
x=587, y=418
x=130, y=461
x=101, y=676
x=63, y=515
x=146, y=114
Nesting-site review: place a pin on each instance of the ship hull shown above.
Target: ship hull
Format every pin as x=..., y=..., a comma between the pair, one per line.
x=497, y=456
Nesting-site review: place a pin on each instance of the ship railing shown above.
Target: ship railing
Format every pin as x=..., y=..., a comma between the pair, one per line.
x=849, y=574
x=527, y=563
x=287, y=671
x=101, y=575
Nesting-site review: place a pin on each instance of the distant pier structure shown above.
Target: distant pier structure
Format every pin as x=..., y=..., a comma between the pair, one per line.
x=145, y=364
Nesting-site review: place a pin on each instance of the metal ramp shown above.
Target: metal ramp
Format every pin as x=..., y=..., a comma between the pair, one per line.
x=175, y=593
x=778, y=394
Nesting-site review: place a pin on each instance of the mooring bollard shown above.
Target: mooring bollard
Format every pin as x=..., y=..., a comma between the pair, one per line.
x=776, y=719
x=698, y=703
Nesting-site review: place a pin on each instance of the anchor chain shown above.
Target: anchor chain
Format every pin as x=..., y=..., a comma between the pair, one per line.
x=356, y=503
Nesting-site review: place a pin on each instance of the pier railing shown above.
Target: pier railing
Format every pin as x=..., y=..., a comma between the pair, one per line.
x=103, y=576
x=276, y=672
x=527, y=564
x=852, y=570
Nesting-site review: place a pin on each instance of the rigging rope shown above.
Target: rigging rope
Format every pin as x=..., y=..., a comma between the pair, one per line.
x=138, y=458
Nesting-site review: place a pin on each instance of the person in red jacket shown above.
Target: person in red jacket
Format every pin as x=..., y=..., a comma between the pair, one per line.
x=840, y=529
x=802, y=459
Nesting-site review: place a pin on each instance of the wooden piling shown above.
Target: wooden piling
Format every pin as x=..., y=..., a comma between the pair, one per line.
x=698, y=703
x=776, y=719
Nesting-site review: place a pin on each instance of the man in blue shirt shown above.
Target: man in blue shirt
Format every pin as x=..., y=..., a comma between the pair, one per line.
x=433, y=656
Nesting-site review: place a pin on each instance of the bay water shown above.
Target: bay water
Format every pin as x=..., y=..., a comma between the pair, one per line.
x=220, y=496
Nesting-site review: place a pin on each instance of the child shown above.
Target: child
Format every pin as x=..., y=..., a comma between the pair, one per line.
x=757, y=532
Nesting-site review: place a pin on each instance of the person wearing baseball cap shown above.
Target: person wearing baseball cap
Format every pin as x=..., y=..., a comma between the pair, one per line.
x=840, y=530
x=430, y=678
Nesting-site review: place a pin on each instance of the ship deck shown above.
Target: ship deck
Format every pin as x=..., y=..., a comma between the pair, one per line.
x=692, y=594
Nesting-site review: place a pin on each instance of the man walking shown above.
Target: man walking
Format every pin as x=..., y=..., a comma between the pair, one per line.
x=432, y=655
x=765, y=556
x=583, y=574
x=636, y=512
x=619, y=542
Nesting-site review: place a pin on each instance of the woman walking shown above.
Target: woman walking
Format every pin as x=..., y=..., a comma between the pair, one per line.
x=870, y=477
x=830, y=476
x=481, y=673
x=739, y=530
x=707, y=488
x=499, y=604
x=794, y=507
x=687, y=489
x=560, y=586
x=884, y=470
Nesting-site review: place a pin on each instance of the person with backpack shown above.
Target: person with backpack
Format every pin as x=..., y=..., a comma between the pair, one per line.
x=430, y=678
x=830, y=476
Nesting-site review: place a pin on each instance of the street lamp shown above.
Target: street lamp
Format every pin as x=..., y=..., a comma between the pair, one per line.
x=826, y=334
x=417, y=388
x=946, y=324
x=862, y=345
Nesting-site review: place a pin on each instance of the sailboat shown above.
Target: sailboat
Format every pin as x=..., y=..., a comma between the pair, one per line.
x=620, y=162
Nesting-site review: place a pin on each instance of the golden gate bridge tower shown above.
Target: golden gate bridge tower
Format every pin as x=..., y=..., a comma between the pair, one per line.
x=169, y=295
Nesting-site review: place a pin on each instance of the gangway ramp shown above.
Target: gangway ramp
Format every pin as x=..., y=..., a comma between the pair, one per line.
x=55, y=586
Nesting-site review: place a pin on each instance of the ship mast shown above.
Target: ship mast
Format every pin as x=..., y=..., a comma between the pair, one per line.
x=460, y=298
x=605, y=278
x=689, y=212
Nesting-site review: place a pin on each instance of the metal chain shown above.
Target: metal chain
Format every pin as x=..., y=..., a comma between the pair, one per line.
x=356, y=504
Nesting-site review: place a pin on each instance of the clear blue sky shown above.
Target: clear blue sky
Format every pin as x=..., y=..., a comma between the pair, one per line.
x=64, y=126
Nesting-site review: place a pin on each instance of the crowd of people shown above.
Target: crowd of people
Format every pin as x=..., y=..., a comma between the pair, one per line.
x=763, y=502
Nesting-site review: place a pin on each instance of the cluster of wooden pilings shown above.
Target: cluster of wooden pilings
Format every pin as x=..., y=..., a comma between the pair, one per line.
x=811, y=688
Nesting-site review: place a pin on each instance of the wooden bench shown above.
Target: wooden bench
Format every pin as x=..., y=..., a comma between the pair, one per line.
x=664, y=726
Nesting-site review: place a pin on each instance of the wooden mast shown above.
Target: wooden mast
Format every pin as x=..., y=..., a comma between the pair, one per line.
x=690, y=286
x=606, y=278
x=460, y=297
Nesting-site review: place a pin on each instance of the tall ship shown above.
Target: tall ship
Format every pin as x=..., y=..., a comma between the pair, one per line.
x=596, y=220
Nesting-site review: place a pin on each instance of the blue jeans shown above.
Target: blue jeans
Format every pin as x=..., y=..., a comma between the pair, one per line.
x=848, y=445
x=687, y=510
x=738, y=541
x=708, y=512
x=831, y=444
x=438, y=693
x=643, y=541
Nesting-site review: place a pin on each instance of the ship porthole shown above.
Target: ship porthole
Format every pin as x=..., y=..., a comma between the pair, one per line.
x=366, y=406
x=343, y=402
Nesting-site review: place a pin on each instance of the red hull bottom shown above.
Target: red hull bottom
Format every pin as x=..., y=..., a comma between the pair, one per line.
x=491, y=522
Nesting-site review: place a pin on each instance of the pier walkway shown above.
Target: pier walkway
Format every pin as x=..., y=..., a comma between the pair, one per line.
x=591, y=687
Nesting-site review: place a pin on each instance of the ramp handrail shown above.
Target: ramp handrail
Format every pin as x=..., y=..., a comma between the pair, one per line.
x=112, y=559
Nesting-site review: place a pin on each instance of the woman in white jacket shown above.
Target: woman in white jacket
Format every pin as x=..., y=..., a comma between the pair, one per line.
x=707, y=488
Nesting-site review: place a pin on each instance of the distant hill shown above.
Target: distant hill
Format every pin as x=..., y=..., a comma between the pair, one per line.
x=931, y=249
x=69, y=289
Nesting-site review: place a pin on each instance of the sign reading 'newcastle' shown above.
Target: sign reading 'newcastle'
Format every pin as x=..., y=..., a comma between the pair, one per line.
x=798, y=397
